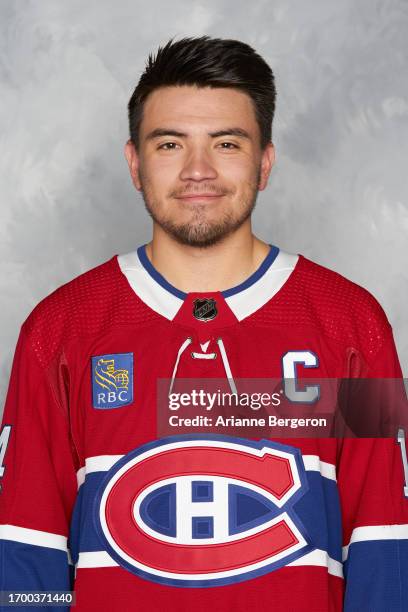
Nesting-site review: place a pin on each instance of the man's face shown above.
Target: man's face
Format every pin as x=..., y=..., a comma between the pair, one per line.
x=199, y=164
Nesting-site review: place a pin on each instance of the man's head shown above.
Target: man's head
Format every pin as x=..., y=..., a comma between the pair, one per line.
x=200, y=146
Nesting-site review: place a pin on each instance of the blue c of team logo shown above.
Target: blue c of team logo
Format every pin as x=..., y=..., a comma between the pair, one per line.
x=203, y=511
x=112, y=380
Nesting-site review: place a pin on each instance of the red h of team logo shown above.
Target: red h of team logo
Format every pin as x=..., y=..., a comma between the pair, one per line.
x=203, y=510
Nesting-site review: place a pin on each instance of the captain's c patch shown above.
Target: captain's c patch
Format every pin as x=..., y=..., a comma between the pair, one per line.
x=112, y=380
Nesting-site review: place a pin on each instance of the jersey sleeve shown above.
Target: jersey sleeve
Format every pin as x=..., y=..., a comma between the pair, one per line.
x=38, y=479
x=374, y=502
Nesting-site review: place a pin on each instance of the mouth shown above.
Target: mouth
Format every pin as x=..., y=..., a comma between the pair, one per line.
x=200, y=197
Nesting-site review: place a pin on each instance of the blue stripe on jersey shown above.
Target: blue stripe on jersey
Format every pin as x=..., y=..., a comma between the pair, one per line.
x=148, y=266
x=373, y=580
x=83, y=535
x=318, y=510
x=52, y=572
x=265, y=265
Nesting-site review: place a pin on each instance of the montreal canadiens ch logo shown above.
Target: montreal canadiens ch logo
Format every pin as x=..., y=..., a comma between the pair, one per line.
x=206, y=510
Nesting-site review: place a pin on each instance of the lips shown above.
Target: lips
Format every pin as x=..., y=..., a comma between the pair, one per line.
x=193, y=196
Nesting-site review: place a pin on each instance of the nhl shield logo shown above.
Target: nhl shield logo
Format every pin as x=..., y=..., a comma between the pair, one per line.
x=205, y=309
x=112, y=380
x=203, y=511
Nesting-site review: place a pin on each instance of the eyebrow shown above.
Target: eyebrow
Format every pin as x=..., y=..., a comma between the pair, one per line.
x=233, y=131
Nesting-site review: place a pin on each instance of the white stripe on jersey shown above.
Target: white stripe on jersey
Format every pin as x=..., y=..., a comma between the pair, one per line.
x=33, y=536
x=100, y=463
x=376, y=532
x=103, y=463
x=318, y=558
x=313, y=463
x=322, y=559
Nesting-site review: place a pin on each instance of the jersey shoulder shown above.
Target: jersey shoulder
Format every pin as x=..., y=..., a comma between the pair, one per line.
x=337, y=295
x=317, y=297
x=87, y=305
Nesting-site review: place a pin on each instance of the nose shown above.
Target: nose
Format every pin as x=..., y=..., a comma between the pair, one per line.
x=198, y=167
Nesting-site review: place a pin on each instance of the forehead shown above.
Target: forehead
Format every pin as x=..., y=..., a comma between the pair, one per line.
x=198, y=106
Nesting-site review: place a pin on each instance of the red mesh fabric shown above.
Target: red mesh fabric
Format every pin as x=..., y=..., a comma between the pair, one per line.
x=319, y=298
x=88, y=305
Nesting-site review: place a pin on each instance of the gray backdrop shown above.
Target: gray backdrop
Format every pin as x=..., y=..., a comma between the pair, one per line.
x=338, y=192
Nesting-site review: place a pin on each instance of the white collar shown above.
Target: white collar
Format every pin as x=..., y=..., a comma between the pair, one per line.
x=244, y=299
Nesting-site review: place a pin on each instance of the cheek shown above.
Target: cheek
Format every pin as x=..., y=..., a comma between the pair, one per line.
x=166, y=161
x=239, y=165
x=162, y=172
x=241, y=174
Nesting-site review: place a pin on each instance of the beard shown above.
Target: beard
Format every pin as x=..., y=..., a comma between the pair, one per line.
x=199, y=231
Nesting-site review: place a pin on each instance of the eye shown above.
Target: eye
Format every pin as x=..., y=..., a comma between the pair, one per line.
x=228, y=145
x=168, y=146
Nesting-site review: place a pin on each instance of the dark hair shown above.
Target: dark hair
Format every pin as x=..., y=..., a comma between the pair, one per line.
x=207, y=62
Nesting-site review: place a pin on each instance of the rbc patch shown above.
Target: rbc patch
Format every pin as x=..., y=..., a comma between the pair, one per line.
x=112, y=380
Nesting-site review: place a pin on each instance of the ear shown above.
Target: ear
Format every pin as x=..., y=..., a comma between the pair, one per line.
x=268, y=159
x=133, y=161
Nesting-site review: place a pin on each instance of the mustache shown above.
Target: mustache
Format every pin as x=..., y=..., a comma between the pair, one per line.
x=191, y=189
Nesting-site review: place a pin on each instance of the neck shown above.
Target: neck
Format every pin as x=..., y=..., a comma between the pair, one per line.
x=215, y=268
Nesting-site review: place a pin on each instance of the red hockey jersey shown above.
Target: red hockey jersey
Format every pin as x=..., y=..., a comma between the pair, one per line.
x=94, y=499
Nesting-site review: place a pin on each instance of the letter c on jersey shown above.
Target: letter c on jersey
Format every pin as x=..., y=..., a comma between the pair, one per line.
x=201, y=511
x=290, y=360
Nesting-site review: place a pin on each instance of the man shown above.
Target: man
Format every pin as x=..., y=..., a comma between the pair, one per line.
x=201, y=522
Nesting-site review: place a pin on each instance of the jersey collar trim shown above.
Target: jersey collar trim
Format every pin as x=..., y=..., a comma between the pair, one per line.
x=243, y=299
x=251, y=299
x=255, y=276
x=150, y=269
